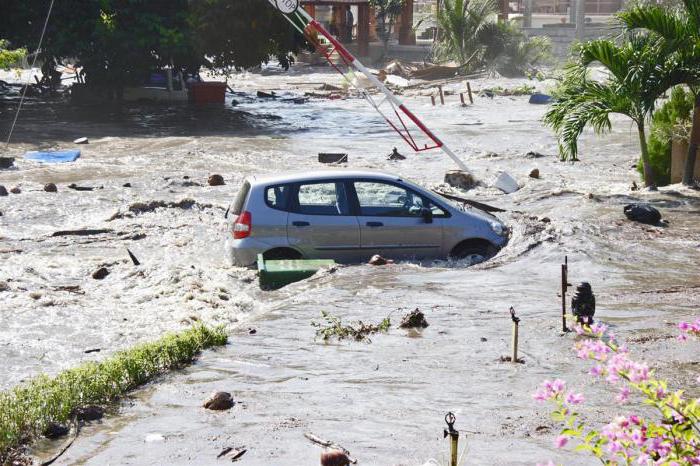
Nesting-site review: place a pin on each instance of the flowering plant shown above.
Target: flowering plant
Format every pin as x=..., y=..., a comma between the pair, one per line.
x=673, y=439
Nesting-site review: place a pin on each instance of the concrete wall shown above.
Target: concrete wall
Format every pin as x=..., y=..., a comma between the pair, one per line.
x=565, y=35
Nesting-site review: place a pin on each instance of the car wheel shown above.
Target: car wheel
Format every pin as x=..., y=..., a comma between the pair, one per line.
x=476, y=252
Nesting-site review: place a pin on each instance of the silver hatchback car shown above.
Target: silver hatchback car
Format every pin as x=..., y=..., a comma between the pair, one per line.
x=350, y=216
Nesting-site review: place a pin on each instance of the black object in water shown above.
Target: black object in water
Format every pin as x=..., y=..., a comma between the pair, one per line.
x=583, y=303
x=643, y=213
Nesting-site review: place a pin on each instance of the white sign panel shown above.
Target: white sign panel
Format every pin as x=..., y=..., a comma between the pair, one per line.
x=287, y=6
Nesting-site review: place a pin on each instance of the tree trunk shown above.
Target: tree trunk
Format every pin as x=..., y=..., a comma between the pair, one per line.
x=648, y=172
x=689, y=172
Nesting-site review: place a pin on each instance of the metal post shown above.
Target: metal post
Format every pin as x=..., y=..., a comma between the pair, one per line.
x=516, y=322
x=442, y=96
x=454, y=437
x=461, y=98
x=432, y=99
x=564, y=285
x=469, y=91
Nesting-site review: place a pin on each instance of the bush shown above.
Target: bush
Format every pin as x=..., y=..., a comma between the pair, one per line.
x=9, y=58
x=671, y=121
x=513, y=54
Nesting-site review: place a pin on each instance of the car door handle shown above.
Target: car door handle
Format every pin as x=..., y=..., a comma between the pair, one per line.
x=375, y=224
x=301, y=224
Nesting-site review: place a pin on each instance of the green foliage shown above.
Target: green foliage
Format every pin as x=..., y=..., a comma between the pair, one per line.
x=334, y=328
x=524, y=89
x=639, y=70
x=25, y=411
x=9, y=58
x=119, y=42
x=386, y=12
x=470, y=35
x=670, y=122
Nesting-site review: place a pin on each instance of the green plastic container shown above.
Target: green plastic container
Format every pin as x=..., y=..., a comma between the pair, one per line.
x=275, y=274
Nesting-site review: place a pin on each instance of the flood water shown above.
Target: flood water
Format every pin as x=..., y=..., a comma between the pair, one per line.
x=384, y=401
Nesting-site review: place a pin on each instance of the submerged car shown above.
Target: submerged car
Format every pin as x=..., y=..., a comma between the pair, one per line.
x=349, y=216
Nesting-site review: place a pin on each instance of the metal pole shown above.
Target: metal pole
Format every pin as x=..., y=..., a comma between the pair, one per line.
x=442, y=96
x=564, y=284
x=580, y=20
x=469, y=91
x=454, y=437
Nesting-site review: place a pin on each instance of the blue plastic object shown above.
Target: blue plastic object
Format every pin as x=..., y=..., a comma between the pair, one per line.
x=59, y=156
x=540, y=99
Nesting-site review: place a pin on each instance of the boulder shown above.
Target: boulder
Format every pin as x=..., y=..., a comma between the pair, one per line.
x=216, y=180
x=535, y=173
x=100, y=273
x=3, y=190
x=50, y=188
x=506, y=183
x=643, y=213
x=16, y=190
x=460, y=179
x=334, y=458
x=219, y=401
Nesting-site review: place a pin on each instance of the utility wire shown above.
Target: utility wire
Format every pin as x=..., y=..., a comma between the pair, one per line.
x=36, y=55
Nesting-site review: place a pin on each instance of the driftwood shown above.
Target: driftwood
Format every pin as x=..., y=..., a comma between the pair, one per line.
x=82, y=232
x=478, y=205
x=328, y=444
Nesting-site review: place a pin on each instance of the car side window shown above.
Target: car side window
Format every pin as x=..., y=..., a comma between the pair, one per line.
x=277, y=197
x=322, y=199
x=387, y=200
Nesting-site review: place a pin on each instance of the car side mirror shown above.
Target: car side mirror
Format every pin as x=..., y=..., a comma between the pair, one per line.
x=427, y=215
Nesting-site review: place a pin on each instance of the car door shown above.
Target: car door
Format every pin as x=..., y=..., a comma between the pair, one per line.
x=392, y=222
x=321, y=223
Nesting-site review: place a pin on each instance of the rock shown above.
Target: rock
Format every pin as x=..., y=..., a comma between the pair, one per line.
x=89, y=413
x=6, y=162
x=54, y=431
x=266, y=95
x=100, y=273
x=396, y=156
x=334, y=458
x=216, y=180
x=3, y=190
x=484, y=339
x=460, y=179
x=642, y=213
x=126, y=185
x=379, y=260
x=535, y=173
x=252, y=331
x=16, y=190
x=219, y=401
x=50, y=188
x=414, y=319
x=546, y=220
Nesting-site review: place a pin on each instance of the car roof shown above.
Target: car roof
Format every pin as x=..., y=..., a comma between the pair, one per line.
x=320, y=175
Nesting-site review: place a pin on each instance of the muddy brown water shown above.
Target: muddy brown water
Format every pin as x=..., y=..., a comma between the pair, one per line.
x=385, y=400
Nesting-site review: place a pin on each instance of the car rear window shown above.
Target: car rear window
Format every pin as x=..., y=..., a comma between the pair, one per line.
x=277, y=197
x=239, y=203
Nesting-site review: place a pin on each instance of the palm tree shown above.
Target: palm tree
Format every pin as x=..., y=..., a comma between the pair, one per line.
x=680, y=27
x=462, y=26
x=639, y=72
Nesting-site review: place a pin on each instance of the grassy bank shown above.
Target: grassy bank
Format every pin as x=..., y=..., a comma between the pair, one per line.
x=28, y=409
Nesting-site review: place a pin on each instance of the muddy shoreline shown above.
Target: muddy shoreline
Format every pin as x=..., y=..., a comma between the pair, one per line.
x=384, y=401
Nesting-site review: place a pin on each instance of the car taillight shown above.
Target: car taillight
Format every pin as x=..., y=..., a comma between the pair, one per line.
x=243, y=226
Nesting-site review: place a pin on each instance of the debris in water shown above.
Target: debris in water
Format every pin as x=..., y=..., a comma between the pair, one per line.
x=219, y=401
x=234, y=453
x=334, y=458
x=82, y=232
x=379, y=260
x=81, y=141
x=396, y=156
x=126, y=185
x=267, y=95
x=634, y=186
x=93, y=350
x=50, y=188
x=75, y=187
x=414, y=319
x=3, y=191
x=216, y=180
x=330, y=157
x=143, y=207
x=133, y=258
x=534, y=155
x=506, y=183
x=643, y=213
x=252, y=331
x=100, y=273
x=540, y=99
x=6, y=162
x=16, y=190
x=535, y=173
x=583, y=304
x=327, y=443
x=460, y=179
x=334, y=328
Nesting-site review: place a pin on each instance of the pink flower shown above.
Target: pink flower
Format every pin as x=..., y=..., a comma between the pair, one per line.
x=624, y=395
x=597, y=371
x=561, y=441
x=574, y=398
x=548, y=463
